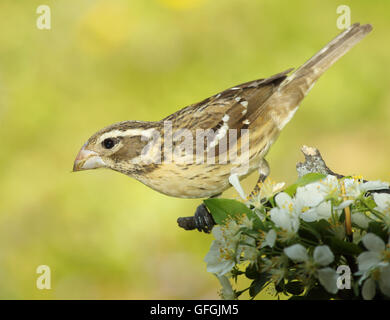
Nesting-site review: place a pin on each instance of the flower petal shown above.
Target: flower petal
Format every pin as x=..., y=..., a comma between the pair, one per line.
x=360, y=219
x=296, y=252
x=324, y=210
x=281, y=218
x=283, y=200
x=384, y=281
x=368, y=290
x=368, y=259
x=227, y=290
x=235, y=182
x=328, y=278
x=382, y=200
x=309, y=215
x=323, y=255
x=374, y=185
x=373, y=243
x=270, y=238
x=310, y=194
x=215, y=263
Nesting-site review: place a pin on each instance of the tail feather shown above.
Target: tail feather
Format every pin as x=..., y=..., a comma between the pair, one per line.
x=283, y=103
x=328, y=55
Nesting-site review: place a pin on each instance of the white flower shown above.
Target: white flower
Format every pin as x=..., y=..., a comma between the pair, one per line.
x=218, y=262
x=270, y=239
x=286, y=215
x=245, y=221
x=235, y=182
x=322, y=256
x=360, y=219
x=311, y=195
x=369, y=289
x=229, y=246
x=267, y=190
x=384, y=280
x=374, y=264
x=328, y=278
x=296, y=252
x=383, y=205
x=330, y=186
x=382, y=201
x=322, y=211
x=250, y=252
x=222, y=255
x=354, y=188
x=374, y=185
x=227, y=292
x=373, y=257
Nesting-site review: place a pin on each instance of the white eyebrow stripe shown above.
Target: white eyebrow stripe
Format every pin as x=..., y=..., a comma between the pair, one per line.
x=129, y=132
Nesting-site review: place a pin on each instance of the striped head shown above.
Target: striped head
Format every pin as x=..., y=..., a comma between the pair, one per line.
x=119, y=147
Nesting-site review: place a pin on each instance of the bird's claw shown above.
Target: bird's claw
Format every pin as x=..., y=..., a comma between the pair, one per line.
x=204, y=221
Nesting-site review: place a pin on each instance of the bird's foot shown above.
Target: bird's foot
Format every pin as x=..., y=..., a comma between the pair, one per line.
x=204, y=221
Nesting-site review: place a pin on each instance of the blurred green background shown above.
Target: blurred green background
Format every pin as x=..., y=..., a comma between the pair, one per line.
x=105, y=235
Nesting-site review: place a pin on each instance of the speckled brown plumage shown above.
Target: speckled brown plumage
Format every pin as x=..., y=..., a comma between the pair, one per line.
x=258, y=110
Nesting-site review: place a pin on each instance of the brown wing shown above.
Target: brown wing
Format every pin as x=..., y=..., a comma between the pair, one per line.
x=234, y=106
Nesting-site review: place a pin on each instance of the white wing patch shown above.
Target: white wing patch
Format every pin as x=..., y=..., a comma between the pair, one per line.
x=221, y=132
x=244, y=103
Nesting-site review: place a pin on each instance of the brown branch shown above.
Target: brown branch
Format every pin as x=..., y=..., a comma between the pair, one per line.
x=315, y=163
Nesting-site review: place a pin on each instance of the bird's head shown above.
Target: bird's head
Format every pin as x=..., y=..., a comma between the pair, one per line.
x=117, y=147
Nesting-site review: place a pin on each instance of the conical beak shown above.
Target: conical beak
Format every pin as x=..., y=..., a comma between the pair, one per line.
x=87, y=159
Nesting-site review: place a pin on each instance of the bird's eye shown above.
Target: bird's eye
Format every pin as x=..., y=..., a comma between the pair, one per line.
x=108, y=143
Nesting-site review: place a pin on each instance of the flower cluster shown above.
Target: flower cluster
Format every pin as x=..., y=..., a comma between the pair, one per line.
x=321, y=238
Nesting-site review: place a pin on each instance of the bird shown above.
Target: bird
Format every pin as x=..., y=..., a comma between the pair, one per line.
x=167, y=155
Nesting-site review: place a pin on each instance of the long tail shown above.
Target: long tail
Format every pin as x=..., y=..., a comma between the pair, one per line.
x=294, y=88
x=333, y=51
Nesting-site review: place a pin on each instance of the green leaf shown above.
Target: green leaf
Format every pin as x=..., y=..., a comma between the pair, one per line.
x=258, y=284
x=280, y=287
x=221, y=209
x=315, y=230
x=306, y=179
x=236, y=273
x=306, y=234
x=295, y=287
x=377, y=228
x=323, y=227
x=343, y=247
x=317, y=293
x=311, y=228
x=251, y=272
